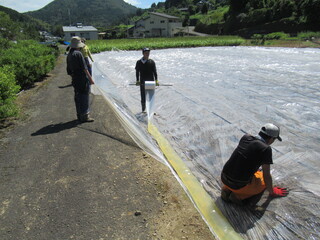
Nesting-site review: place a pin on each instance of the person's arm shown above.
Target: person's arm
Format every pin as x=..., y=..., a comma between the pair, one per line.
x=137, y=74
x=273, y=191
x=89, y=54
x=89, y=76
x=155, y=73
x=267, y=177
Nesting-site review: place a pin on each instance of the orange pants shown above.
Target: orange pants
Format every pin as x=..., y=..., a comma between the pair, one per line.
x=256, y=186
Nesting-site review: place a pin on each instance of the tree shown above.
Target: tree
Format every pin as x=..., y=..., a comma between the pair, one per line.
x=8, y=28
x=204, y=9
x=311, y=10
x=139, y=12
x=237, y=6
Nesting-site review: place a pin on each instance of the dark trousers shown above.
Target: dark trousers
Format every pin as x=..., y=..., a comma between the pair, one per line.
x=82, y=103
x=81, y=94
x=143, y=96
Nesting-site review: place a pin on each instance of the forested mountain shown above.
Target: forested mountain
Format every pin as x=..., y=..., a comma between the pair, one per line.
x=273, y=15
x=89, y=12
x=14, y=25
x=246, y=17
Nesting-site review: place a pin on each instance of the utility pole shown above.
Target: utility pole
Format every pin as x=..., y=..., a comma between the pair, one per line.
x=69, y=17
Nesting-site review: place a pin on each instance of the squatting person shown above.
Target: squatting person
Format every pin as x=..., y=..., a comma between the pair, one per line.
x=241, y=176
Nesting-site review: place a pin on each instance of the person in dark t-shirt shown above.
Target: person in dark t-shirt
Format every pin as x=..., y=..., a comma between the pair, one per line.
x=241, y=176
x=81, y=79
x=145, y=71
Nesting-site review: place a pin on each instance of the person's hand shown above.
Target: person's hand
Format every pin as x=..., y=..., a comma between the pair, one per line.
x=157, y=83
x=137, y=83
x=279, y=192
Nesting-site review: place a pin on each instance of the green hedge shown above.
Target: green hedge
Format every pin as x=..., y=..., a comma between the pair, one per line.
x=30, y=60
x=8, y=91
x=21, y=64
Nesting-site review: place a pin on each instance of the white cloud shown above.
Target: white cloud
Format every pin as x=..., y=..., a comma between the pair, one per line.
x=133, y=2
x=32, y=5
x=25, y=5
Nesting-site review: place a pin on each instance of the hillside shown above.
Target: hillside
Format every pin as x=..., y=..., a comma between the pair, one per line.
x=247, y=17
x=24, y=19
x=17, y=26
x=89, y=12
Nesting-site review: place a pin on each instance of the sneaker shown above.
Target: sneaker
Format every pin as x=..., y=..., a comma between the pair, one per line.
x=86, y=118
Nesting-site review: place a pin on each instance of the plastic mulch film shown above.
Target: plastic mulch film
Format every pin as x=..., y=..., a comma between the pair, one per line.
x=220, y=93
x=210, y=213
x=128, y=120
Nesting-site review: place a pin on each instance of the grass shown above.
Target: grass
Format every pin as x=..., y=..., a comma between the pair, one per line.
x=97, y=46
x=290, y=43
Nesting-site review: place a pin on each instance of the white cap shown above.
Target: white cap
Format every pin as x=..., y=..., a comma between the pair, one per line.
x=271, y=130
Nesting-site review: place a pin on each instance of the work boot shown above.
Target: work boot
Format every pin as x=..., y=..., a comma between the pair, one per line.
x=86, y=118
x=225, y=193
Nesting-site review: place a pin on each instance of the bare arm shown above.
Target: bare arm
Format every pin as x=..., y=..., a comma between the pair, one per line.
x=267, y=177
x=90, y=56
x=89, y=76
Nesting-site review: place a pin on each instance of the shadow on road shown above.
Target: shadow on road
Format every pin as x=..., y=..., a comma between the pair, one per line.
x=55, y=128
x=69, y=85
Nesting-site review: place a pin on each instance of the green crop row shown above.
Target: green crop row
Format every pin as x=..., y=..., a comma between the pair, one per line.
x=21, y=64
x=97, y=46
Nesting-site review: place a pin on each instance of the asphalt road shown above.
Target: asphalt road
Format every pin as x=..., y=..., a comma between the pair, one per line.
x=63, y=180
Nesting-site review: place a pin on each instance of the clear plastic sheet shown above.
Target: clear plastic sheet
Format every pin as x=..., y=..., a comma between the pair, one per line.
x=220, y=93
x=135, y=125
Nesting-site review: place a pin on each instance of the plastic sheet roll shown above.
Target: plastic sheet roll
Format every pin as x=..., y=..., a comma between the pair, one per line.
x=150, y=85
x=150, y=99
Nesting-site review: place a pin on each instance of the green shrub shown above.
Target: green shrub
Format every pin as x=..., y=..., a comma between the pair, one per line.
x=257, y=36
x=276, y=36
x=30, y=60
x=8, y=91
x=308, y=35
x=4, y=44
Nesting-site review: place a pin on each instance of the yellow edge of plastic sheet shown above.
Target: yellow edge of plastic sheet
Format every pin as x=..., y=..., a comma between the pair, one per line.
x=205, y=204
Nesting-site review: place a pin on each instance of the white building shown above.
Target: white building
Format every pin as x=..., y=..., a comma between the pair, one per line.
x=87, y=32
x=156, y=25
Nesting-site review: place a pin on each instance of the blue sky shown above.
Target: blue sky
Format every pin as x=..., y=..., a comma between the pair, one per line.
x=31, y=5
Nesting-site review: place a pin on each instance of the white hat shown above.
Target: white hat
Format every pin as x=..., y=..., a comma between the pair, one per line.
x=76, y=42
x=271, y=130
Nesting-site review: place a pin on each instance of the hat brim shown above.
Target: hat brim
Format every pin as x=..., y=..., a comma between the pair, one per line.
x=279, y=138
x=77, y=45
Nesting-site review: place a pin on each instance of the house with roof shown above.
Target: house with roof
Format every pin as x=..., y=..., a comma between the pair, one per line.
x=156, y=25
x=87, y=32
